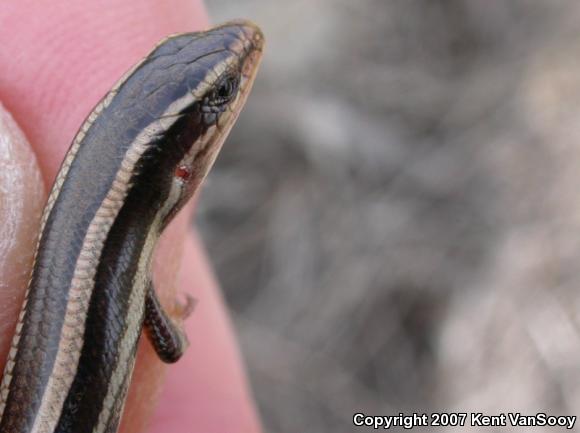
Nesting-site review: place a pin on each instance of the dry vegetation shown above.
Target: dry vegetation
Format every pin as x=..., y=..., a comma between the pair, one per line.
x=395, y=220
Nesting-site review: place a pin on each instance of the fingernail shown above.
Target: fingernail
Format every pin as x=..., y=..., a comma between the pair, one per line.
x=21, y=201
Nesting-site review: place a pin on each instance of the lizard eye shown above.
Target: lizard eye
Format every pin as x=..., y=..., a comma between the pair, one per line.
x=224, y=91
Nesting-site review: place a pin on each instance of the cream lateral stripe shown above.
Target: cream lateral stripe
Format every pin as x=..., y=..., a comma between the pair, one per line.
x=7, y=375
x=82, y=284
x=55, y=191
x=124, y=364
x=77, y=141
x=125, y=360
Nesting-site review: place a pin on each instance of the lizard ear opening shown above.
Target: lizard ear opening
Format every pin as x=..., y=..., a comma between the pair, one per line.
x=183, y=172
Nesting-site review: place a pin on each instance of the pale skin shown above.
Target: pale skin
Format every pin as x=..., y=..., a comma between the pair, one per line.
x=56, y=60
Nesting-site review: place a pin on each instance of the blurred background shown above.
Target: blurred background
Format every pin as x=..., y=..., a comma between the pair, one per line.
x=395, y=220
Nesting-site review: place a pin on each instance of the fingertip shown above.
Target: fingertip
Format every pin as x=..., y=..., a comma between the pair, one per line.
x=207, y=389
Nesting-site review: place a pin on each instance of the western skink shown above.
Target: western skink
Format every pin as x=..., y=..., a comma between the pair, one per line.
x=139, y=156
